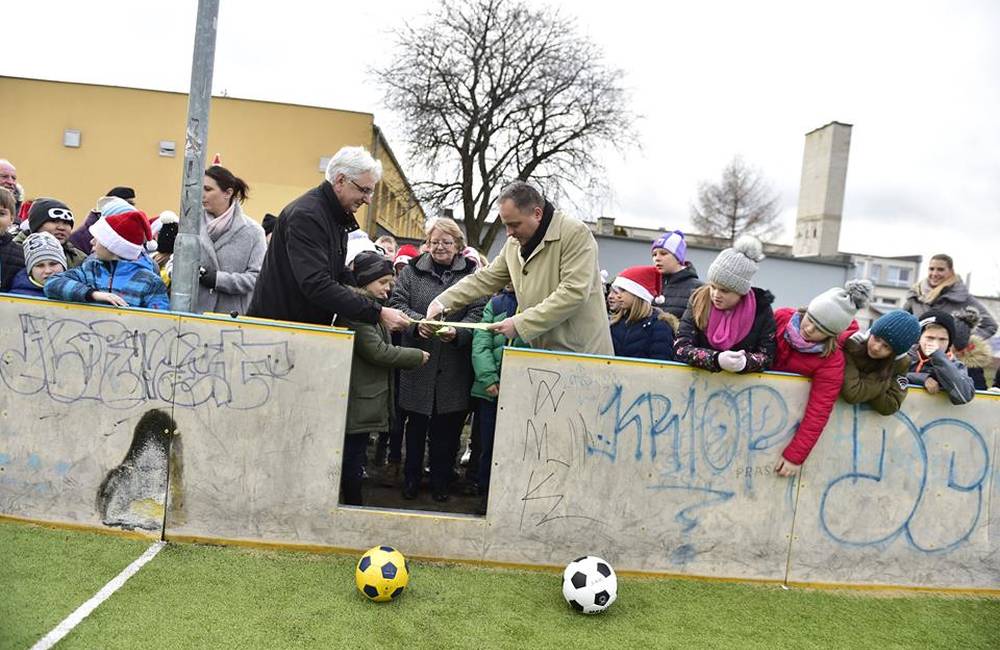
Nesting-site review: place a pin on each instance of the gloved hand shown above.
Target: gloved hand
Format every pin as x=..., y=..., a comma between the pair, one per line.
x=207, y=278
x=733, y=361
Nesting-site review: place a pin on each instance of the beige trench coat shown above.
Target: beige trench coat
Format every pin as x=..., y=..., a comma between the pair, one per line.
x=559, y=292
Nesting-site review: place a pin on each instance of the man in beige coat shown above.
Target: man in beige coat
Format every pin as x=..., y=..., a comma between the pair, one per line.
x=552, y=262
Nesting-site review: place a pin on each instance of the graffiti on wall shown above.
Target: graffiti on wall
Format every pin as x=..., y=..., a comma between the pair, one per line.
x=706, y=446
x=107, y=362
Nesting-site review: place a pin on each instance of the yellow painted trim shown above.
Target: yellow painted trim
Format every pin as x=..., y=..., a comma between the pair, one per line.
x=86, y=528
x=413, y=514
x=649, y=363
x=549, y=568
x=267, y=324
x=81, y=306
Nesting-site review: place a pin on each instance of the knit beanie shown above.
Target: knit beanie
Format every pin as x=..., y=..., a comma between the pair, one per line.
x=673, y=243
x=165, y=230
x=112, y=205
x=898, y=328
x=357, y=242
x=942, y=318
x=735, y=267
x=370, y=266
x=833, y=310
x=640, y=281
x=41, y=246
x=125, y=235
x=405, y=253
x=44, y=210
x=966, y=321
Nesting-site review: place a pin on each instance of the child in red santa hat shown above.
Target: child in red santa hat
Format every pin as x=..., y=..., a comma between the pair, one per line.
x=638, y=329
x=114, y=273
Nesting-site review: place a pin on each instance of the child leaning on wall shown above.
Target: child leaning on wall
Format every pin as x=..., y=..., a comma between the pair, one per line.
x=809, y=343
x=370, y=401
x=728, y=324
x=932, y=364
x=876, y=362
x=43, y=258
x=638, y=329
x=117, y=273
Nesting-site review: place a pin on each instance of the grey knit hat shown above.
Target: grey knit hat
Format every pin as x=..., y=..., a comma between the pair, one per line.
x=42, y=246
x=735, y=267
x=833, y=310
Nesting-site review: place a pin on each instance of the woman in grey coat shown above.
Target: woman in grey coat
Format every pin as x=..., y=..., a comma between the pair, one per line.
x=435, y=396
x=943, y=289
x=232, y=245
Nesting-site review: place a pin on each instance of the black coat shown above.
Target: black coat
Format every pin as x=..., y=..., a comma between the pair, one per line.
x=304, y=276
x=652, y=338
x=692, y=347
x=11, y=260
x=677, y=289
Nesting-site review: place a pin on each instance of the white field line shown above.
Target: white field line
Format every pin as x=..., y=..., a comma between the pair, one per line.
x=84, y=610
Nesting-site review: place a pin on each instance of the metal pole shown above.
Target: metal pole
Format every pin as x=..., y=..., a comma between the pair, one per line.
x=187, y=252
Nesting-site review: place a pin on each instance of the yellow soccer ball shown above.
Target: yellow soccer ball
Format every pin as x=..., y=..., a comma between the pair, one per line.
x=382, y=574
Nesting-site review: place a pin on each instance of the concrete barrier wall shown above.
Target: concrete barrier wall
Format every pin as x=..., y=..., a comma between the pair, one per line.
x=656, y=467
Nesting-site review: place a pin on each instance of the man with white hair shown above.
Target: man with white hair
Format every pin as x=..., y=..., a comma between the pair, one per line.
x=8, y=179
x=304, y=272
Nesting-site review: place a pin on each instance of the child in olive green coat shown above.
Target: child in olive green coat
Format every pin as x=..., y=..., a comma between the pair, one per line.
x=370, y=402
x=876, y=362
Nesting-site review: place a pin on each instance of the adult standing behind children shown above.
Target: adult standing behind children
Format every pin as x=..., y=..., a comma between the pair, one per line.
x=944, y=290
x=81, y=236
x=232, y=245
x=303, y=276
x=551, y=261
x=435, y=396
x=679, y=277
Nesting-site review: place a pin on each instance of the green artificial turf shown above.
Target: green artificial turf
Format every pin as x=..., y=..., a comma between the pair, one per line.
x=197, y=596
x=46, y=574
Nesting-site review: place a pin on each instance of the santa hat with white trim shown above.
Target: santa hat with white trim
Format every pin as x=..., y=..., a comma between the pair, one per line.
x=640, y=281
x=126, y=235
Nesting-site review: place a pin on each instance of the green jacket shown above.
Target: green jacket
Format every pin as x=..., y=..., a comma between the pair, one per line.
x=487, y=347
x=880, y=383
x=370, y=402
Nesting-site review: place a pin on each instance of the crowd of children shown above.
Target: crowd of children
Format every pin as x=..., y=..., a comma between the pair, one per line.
x=661, y=312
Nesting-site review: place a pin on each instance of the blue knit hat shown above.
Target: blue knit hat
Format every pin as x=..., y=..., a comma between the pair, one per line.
x=898, y=328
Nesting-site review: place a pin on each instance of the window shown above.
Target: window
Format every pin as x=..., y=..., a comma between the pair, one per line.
x=898, y=276
x=875, y=273
x=887, y=301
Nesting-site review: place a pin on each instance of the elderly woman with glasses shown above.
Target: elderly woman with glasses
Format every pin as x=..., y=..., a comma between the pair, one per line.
x=435, y=397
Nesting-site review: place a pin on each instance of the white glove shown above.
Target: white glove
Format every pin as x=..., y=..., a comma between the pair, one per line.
x=732, y=361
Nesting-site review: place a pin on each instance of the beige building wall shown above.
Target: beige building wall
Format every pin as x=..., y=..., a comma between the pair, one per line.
x=275, y=148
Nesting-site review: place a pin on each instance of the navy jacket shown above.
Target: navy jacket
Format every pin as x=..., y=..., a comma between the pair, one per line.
x=652, y=338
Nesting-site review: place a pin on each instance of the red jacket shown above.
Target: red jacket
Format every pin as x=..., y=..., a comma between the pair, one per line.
x=827, y=374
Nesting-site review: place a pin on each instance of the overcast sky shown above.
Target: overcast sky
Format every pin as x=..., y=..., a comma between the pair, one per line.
x=920, y=82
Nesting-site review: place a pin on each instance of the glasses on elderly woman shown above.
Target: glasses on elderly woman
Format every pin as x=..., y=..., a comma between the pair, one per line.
x=441, y=243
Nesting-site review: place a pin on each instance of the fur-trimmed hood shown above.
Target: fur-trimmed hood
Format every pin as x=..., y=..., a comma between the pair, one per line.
x=977, y=354
x=667, y=318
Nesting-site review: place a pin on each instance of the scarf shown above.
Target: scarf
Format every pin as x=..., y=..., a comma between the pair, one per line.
x=729, y=327
x=927, y=295
x=543, y=227
x=793, y=334
x=220, y=224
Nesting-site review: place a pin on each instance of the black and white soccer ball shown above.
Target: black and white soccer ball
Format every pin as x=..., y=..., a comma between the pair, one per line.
x=590, y=584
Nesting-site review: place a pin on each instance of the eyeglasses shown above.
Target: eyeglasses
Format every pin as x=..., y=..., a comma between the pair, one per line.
x=440, y=244
x=367, y=191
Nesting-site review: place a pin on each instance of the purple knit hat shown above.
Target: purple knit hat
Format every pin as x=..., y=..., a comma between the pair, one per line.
x=673, y=243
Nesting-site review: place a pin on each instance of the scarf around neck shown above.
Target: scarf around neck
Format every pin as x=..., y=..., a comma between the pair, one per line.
x=793, y=334
x=220, y=224
x=729, y=327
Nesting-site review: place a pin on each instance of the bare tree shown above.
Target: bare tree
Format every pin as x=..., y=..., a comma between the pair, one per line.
x=490, y=91
x=742, y=203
